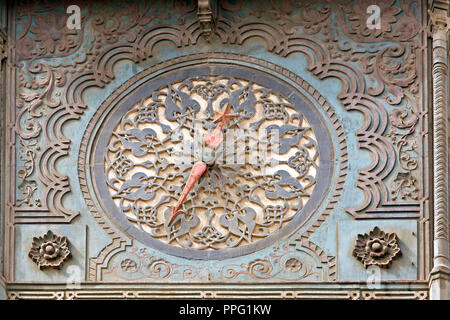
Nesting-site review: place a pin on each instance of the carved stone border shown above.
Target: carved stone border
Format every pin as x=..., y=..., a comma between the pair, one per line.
x=348, y=291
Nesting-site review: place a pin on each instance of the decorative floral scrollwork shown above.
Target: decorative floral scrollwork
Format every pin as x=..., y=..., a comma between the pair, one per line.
x=377, y=248
x=403, y=127
x=283, y=264
x=49, y=251
x=136, y=264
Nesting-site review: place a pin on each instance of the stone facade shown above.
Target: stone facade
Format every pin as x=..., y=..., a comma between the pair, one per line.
x=349, y=200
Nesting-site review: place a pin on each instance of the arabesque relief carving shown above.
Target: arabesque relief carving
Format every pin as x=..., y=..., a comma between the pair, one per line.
x=282, y=264
x=49, y=94
x=377, y=248
x=383, y=83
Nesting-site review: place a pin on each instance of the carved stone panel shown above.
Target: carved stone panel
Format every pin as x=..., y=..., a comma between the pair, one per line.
x=325, y=137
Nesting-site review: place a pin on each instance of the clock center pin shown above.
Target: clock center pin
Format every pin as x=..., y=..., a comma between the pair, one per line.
x=208, y=156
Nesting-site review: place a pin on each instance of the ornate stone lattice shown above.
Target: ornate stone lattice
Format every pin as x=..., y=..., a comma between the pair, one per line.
x=264, y=173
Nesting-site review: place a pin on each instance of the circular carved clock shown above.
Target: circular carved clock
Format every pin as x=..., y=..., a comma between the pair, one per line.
x=209, y=157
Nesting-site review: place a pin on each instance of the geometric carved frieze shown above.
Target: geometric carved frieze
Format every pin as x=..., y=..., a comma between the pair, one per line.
x=411, y=291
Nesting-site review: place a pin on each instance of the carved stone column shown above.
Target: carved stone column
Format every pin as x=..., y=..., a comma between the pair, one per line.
x=439, y=276
x=3, y=42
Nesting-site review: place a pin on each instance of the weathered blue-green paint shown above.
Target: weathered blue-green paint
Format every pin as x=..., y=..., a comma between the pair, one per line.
x=336, y=236
x=325, y=236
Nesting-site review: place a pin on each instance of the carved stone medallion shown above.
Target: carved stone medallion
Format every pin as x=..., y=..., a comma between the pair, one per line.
x=268, y=176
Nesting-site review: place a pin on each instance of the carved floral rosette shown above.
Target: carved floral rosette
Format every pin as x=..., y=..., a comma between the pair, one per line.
x=49, y=251
x=377, y=248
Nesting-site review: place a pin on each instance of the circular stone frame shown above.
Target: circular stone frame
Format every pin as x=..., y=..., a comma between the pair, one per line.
x=282, y=81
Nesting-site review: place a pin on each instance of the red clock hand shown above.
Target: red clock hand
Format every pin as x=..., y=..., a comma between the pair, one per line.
x=212, y=140
x=215, y=138
x=197, y=171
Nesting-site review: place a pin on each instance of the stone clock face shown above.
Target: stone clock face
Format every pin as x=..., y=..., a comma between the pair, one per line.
x=268, y=176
